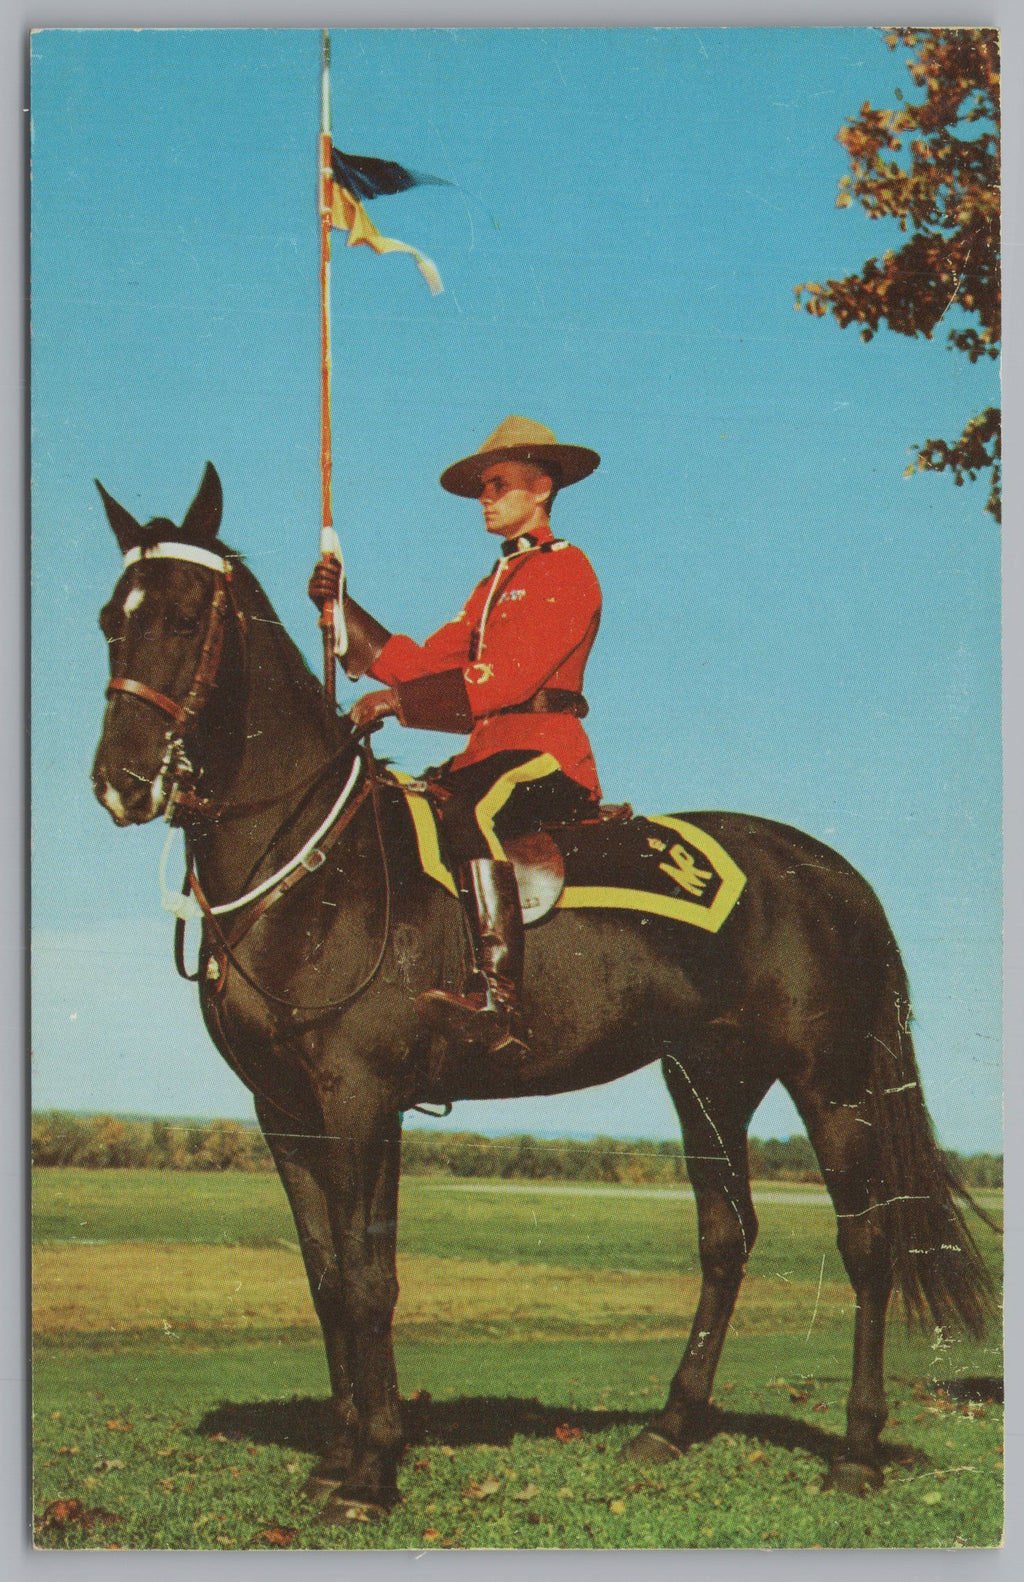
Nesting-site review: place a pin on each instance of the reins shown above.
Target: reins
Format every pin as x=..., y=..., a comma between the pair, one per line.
x=227, y=945
x=323, y=837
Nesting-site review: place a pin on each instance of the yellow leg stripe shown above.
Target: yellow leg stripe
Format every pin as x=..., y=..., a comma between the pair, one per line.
x=425, y=826
x=491, y=804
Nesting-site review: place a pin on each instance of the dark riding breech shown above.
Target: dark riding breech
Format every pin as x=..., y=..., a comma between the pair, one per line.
x=509, y=793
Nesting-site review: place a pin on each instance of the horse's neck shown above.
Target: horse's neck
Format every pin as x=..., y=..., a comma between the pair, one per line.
x=287, y=735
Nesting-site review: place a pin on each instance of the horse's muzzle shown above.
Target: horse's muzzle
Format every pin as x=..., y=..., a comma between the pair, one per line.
x=129, y=797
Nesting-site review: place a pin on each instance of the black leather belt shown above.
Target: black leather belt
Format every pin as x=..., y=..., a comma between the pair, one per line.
x=551, y=700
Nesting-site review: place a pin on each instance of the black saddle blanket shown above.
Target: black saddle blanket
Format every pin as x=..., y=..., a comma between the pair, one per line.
x=662, y=864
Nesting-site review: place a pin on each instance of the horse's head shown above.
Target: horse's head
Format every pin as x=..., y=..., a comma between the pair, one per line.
x=165, y=624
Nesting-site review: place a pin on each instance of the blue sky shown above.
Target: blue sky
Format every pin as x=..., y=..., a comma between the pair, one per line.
x=790, y=627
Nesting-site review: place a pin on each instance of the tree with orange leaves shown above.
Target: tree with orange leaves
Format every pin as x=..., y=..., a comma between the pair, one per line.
x=934, y=167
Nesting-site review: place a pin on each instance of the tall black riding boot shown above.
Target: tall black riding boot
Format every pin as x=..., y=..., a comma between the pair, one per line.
x=486, y=1014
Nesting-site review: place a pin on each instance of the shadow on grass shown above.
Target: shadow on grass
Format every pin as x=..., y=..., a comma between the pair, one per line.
x=305, y=1424
x=985, y=1388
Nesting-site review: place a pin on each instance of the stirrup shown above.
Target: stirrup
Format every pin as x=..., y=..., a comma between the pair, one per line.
x=470, y=1019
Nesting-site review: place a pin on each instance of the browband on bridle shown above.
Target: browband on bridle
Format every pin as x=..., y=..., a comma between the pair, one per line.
x=172, y=550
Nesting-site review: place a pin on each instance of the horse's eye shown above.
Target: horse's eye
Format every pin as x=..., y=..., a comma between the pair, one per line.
x=186, y=625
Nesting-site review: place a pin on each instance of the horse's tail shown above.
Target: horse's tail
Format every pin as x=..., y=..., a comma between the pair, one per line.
x=937, y=1265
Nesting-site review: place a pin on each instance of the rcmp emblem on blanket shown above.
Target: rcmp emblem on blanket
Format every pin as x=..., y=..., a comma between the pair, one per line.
x=664, y=865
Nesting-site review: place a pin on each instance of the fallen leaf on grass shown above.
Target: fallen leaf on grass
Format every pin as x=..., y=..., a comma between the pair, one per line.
x=484, y=1489
x=61, y=1514
x=421, y=1466
x=756, y=1455
x=277, y=1537
x=820, y=1406
x=446, y=1450
x=68, y=1450
x=527, y=1492
x=108, y=1465
x=431, y=1535
x=567, y=1431
x=168, y=1450
x=799, y=1396
x=117, y=1425
x=617, y=1507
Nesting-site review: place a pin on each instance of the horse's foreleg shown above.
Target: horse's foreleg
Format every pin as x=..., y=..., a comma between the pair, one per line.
x=716, y=1160
x=844, y=1148
x=363, y=1206
x=300, y=1163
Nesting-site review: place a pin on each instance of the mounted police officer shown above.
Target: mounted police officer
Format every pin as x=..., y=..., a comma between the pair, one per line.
x=509, y=670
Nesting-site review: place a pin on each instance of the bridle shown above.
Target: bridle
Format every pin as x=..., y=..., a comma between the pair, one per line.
x=183, y=796
x=184, y=715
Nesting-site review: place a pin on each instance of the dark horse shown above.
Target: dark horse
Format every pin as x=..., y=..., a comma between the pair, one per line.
x=308, y=990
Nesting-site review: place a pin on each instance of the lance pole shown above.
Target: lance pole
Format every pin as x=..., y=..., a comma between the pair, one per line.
x=331, y=617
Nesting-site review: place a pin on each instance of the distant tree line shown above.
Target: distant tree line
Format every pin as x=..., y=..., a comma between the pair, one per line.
x=108, y=1142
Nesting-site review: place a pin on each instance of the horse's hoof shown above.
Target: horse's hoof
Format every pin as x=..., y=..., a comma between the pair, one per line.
x=317, y=1488
x=853, y=1477
x=650, y=1447
x=339, y=1510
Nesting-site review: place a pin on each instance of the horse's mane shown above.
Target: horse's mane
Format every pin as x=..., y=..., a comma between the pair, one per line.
x=254, y=599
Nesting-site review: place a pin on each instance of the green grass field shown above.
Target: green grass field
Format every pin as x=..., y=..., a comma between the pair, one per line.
x=179, y=1379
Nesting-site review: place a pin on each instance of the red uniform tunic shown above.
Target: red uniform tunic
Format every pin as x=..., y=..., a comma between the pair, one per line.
x=530, y=624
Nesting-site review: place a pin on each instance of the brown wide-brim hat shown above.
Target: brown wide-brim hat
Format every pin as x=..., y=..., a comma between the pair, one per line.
x=520, y=439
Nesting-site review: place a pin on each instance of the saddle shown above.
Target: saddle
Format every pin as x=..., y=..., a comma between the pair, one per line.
x=666, y=865
x=540, y=862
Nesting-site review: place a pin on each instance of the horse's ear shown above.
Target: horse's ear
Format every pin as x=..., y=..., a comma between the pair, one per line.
x=126, y=530
x=202, y=519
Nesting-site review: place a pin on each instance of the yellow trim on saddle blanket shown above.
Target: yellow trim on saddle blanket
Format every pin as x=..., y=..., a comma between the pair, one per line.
x=580, y=897
x=425, y=825
x=709, y=918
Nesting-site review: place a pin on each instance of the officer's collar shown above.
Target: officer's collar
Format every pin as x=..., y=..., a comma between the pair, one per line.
x=525, y=541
